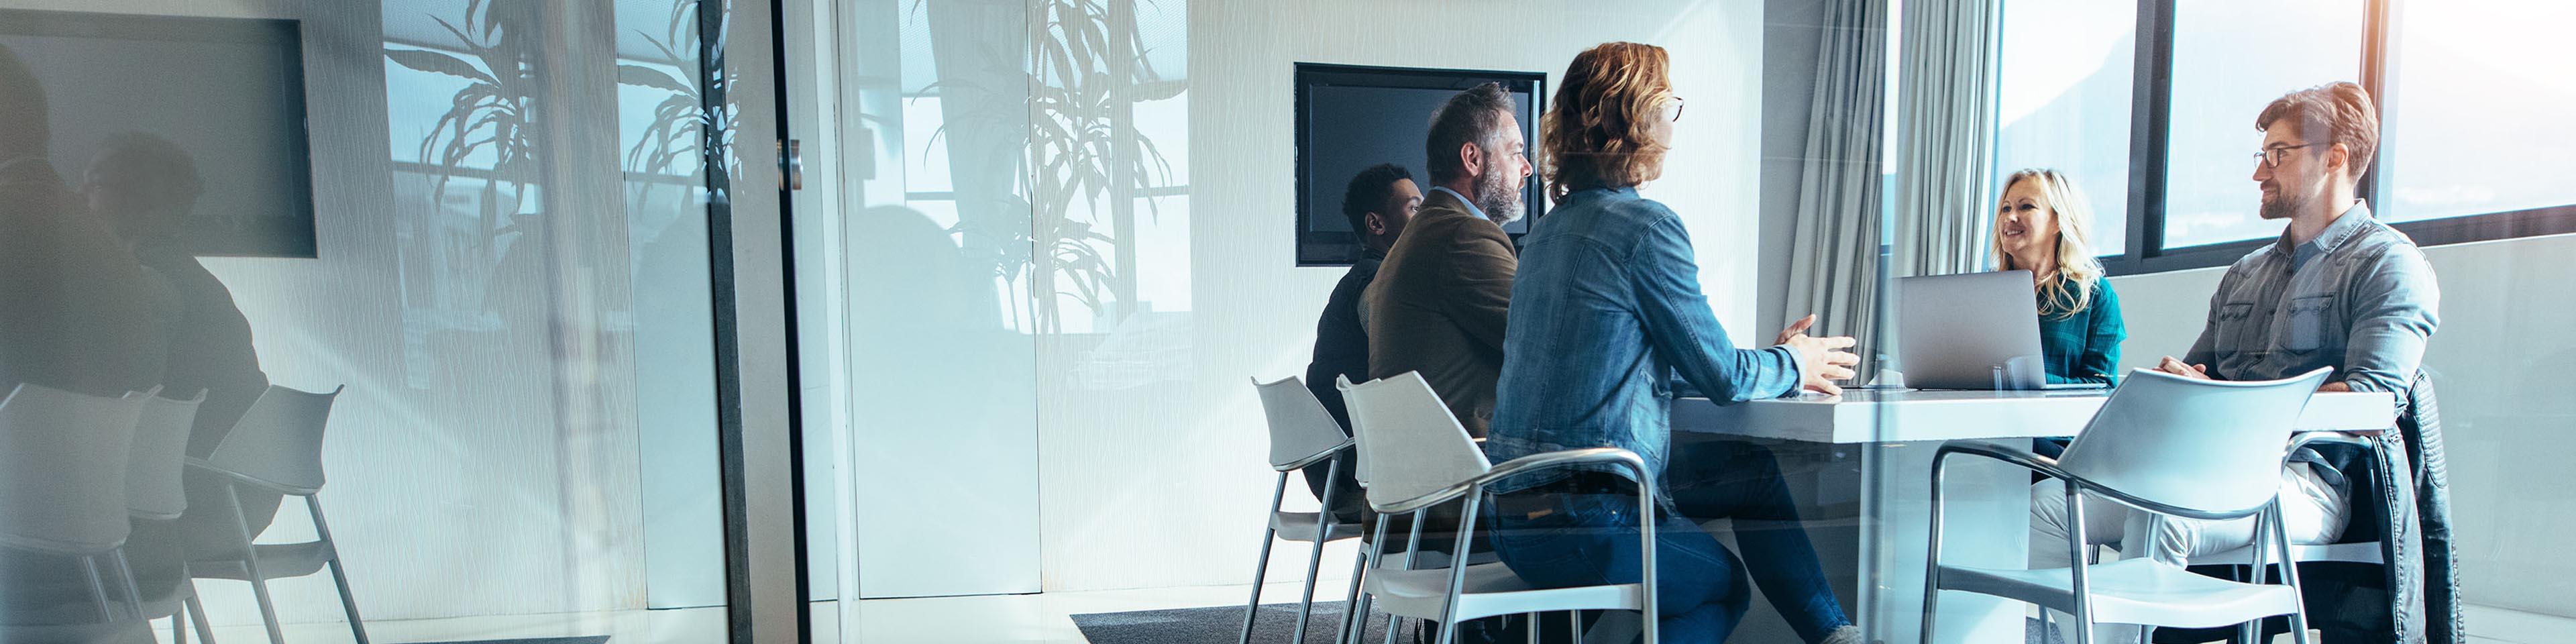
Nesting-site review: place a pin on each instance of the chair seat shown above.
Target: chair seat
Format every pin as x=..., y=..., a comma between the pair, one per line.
x=1300, y=526
x=276, y=561
x=2363, y=552
x=1490, y=589
x=2132, y=591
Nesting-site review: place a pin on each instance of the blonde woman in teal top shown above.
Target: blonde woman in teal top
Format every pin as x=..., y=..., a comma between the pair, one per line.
x=2043, y=225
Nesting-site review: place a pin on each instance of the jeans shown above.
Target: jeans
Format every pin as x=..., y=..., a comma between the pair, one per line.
x=1583, y=531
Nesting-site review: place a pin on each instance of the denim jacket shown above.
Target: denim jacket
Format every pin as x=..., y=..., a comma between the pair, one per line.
x=1606, y=308
x=2364, y=303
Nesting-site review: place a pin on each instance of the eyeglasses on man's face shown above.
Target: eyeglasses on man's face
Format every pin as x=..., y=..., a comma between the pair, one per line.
x=2271, y=156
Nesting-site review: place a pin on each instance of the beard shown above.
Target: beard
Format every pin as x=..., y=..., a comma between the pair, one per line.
x=2284, y=205
x=1500, y=201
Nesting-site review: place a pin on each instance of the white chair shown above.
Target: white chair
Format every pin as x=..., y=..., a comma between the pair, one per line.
x=1402, y=415
x=153, y=492
x=277, y=447
x=62, y=480
x=1301, y=435
x=2174, y=446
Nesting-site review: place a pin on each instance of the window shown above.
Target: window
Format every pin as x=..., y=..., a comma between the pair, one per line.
x=2476, y=122
x=2229, y=60
x=2064, y=101
x=2472, y=143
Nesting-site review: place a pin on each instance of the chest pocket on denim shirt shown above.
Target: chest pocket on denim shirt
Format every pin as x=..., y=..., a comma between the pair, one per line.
x=2311, y=320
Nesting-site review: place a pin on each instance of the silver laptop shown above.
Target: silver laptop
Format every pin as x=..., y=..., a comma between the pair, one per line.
x=1973, y=331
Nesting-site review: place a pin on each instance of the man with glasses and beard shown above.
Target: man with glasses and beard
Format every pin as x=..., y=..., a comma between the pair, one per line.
x=1439, y=300
x=2338, y=289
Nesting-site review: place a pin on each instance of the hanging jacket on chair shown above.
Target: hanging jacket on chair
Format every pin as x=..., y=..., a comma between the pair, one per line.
x=2401, y=498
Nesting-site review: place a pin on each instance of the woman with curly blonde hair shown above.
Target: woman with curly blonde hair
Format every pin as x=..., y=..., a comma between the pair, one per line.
x=1606, y=308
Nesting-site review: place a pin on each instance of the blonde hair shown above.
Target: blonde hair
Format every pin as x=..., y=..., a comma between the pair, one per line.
x=1600, y=132
x=2072, y=290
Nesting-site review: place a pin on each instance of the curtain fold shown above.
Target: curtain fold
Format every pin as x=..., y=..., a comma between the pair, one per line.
x=1945, y=136
x=1834, y=266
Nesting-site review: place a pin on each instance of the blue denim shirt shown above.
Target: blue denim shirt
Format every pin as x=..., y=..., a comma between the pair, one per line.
x=1605, y=309
x=2363, y=302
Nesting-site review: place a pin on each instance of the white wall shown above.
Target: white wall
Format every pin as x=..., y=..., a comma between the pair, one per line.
x=2500, y=360
x=1163, y=484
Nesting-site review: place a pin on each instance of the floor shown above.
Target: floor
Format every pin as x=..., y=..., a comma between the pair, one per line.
x=1006, y=619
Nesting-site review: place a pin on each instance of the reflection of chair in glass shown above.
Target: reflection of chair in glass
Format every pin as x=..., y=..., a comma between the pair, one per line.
x=1402, y=415
x=1302, y=434
x=276, y=447
x=153, y=492
x=2173, y=446
x=62, y=480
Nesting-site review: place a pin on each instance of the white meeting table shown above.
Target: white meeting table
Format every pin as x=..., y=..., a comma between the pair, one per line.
x=1860, y=466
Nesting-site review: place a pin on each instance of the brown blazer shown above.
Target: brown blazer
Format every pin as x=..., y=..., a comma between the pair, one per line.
x=1438, y=306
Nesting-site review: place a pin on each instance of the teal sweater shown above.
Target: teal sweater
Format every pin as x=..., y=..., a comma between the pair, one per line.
x=2084, y=346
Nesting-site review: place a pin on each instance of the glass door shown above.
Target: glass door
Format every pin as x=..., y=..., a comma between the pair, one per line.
x=418, y=320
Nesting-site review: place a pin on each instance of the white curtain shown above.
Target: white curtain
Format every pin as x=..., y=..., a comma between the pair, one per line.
x=1945, y=142
x=1834, y=267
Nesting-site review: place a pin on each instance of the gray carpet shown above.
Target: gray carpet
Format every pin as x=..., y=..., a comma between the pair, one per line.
x=1217, y=624
x=1225, y=623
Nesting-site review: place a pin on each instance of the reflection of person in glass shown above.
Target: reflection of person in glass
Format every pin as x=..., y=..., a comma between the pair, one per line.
x=1378, y=202
x=1606, y=308
x=77, y=313
x=147, y=188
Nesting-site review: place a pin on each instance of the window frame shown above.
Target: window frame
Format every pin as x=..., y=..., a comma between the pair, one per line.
x=2150, y=111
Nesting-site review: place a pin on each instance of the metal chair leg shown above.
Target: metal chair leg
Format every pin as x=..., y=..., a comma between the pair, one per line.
x=1458, y=567
x=1355, y=616
x=339, y=574
x=98, y=588
x=2075, y=551
x=250, y=566
x=197, y=615
x=1374, y=556
x=1261, y=567
x=1412, y=547
x=125, y=573
x=1932, y=558
x=1314, y=561
x=2290, y=575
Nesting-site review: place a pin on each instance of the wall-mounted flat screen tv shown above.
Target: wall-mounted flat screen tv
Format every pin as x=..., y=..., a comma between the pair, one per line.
x=1352, y=117
x=228, y=93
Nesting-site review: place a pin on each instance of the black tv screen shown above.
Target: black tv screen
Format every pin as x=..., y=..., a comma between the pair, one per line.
x=229, y=92
x=1352, y=117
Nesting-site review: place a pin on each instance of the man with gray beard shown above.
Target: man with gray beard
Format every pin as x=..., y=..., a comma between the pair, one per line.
x=1438, y=302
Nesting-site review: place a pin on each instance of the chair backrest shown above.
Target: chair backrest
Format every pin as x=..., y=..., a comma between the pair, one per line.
x=62, y=468
x=2204, y=445
x=278, y=442
x=1401, y=420
x=1300, y=429
x=153, y=467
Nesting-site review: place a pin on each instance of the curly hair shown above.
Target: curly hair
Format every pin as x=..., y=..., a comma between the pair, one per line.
x=1369, y=191
x=1600, y=131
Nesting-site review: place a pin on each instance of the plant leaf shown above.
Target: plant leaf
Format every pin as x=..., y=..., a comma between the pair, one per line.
x=437, y=63
x=648, y=77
